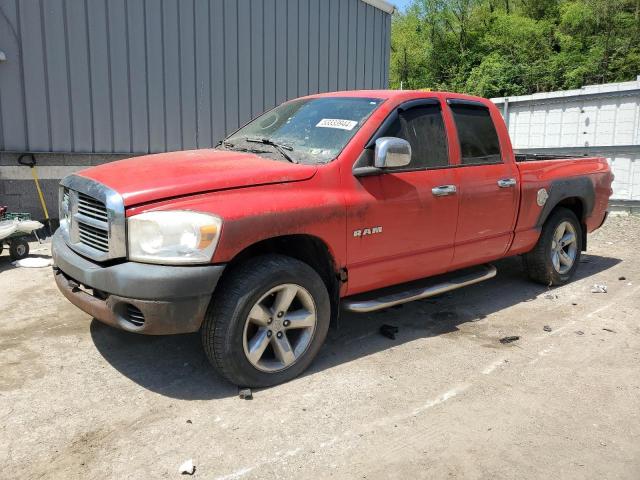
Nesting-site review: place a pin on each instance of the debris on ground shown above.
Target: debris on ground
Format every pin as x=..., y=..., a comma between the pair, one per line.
x=245, y=394
x=599, y=288
x=579, y=332
x=187, y=468
x=622, y=278
x=609, y=330
x=513, y=338
x=551, y=296
x=546, y=328
x=574, y=303
x=389, y=331
x=32, y=262
x=189, y=421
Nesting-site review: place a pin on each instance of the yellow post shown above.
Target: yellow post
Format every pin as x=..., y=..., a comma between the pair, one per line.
x=22, y=160
x=44, y=205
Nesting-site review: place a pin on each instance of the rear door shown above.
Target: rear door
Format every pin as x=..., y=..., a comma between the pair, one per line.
x=400, y=226
x=487, y=187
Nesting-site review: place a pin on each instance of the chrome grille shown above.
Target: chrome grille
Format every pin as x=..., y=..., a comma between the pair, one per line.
x=92, y=218
x=93, y=237
x=93, y=222
x=92, y=208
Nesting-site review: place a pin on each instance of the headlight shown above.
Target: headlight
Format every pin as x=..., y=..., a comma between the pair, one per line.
x=173, y=237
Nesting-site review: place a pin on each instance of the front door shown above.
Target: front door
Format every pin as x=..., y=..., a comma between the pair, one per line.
x=401, y=223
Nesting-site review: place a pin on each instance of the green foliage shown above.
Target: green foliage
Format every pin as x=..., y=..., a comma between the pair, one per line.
x=514, y=47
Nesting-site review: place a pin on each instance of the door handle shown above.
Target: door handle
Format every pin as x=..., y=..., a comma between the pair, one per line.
x=444, y=190
x=506, y=182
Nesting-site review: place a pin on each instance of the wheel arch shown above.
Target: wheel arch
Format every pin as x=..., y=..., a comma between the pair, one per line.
x=307, y=248
x=575, y=194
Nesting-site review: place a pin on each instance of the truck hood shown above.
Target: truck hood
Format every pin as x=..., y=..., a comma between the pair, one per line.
x=155, y=177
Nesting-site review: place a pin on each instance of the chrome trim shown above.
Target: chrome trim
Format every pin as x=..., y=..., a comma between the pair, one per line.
x=392, y=152
x=91, y=221
x=63, y=207
x=386, y=301
x=507, y=182
x=444, y=190
x=115, y=226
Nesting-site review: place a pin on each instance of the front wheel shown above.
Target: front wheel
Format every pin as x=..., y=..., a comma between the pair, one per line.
x=267, y=321
x=554, y=259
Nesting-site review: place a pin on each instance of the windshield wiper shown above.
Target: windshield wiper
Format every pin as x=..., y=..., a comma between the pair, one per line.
x=235, y=148
x=281, y=147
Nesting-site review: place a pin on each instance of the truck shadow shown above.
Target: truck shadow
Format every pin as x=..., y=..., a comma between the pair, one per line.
x=176, y=366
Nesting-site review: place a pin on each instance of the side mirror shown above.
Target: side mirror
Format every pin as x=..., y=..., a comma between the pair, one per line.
x=392, y=152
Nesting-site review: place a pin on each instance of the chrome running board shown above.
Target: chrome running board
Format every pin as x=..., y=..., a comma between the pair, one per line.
x=386, y=298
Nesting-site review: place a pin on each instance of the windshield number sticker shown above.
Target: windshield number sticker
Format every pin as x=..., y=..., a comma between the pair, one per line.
x=337, y=123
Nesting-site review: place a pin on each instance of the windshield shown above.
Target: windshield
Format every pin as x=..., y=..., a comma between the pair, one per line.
x=312, y=130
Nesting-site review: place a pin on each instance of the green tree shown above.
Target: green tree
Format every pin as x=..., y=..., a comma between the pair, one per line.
x=513, y=47
x=599, y=41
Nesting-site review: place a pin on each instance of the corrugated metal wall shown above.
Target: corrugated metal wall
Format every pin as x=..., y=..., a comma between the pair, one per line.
x=118, y=76
x=601, y=120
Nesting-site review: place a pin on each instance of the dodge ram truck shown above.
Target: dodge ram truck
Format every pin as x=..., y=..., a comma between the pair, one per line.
x=354, y=200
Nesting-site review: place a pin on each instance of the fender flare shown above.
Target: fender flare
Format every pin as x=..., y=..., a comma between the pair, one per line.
x=561, y=189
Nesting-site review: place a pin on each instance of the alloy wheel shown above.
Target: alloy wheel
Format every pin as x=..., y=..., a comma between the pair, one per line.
x=279, y=328
x=564, y=247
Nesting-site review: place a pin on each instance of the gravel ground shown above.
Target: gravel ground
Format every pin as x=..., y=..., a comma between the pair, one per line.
x=444, y=399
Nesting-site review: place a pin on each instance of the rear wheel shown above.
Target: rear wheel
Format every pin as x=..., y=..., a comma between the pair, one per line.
x=267, y=321
x=554, y=259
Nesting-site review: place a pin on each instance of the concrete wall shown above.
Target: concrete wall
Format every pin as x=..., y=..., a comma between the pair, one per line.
x=17, y=187
x=128, y=77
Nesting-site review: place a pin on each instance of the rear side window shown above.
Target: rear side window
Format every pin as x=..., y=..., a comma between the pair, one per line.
x=423, y=128
x=478, y=137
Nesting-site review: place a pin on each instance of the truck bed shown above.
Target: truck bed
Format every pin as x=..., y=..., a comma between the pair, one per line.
x=564, y=178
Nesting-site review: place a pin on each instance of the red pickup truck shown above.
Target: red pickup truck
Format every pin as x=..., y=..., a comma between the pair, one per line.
x=355, y=200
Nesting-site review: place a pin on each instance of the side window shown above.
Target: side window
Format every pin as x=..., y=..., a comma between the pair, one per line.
x=423, y=128
x=478, y=137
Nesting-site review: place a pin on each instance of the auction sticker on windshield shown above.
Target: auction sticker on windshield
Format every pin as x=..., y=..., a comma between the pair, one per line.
x=337, y=123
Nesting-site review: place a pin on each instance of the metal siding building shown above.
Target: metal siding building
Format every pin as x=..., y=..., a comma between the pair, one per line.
x=602, y=120
x=85, y=82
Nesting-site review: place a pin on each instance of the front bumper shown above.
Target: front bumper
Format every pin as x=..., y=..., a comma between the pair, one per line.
x=138, y=297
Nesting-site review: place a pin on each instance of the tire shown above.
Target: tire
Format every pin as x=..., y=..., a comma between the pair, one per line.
x=18, y=248
x=244, y=310
x=542, y=264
